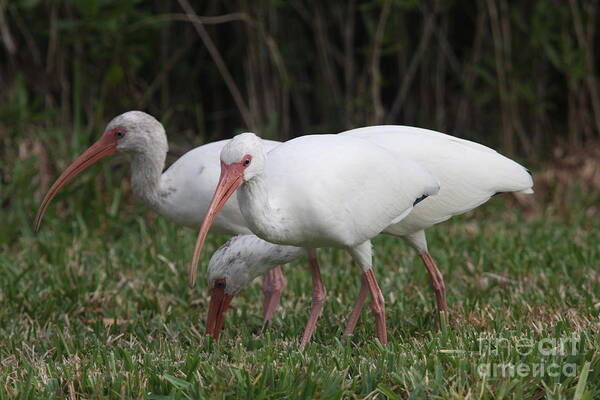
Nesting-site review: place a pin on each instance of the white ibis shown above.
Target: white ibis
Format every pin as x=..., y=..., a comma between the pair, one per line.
x=181, y=194
x=311, y=192
x=468, y=173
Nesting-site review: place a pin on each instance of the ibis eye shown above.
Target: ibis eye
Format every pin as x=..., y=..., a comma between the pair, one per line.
x=119, y=133
x=246, y=162
x=220, y=284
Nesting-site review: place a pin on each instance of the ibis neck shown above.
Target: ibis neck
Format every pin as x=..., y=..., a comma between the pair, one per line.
x=262, y=256
x=263, y=263
x=262, y=217
x=274, y=254
x=146, y=172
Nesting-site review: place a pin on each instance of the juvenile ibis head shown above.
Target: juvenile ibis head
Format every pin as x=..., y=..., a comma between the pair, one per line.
x=242, y=159
x=133, y=133
x=235, y=265
x=227, y=275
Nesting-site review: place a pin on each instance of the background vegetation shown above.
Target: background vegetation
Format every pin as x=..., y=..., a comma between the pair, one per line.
x=519, y=74
x=96, y=305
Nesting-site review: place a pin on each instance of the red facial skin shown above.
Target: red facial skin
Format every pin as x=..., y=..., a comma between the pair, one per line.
x=104, y=147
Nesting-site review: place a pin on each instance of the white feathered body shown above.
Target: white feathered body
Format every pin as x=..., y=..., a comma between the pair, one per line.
x=331, y=191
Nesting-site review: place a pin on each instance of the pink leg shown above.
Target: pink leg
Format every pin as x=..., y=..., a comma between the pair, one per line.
x=355, y=314
x=317, y=300
x=266, y=285
x=437, y=283
x=377, y=305
x=272, y=289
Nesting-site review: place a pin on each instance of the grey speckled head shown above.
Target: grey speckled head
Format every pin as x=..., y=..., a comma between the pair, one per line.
x=245, y=257
x=230, y=262
x=142, y=133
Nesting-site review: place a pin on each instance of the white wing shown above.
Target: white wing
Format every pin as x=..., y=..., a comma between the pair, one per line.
x=469, y=173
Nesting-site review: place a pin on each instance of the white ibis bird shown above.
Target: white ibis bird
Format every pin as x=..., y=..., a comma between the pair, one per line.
x=469, y=174
x=182, y=193
x=311, y=192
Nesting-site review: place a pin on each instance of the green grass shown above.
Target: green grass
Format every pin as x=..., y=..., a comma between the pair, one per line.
x=100, y=259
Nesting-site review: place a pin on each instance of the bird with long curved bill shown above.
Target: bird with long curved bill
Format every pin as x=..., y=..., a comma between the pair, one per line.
x=178, y=193
x=311, y=192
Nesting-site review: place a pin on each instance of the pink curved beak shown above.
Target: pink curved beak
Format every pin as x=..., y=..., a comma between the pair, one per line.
x=105, y=146
x=219, y=303
x=230, y=180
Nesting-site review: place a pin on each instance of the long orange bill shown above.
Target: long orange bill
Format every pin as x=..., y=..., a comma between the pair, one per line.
x=104, y=147
x=230, y=180
x=219, y=303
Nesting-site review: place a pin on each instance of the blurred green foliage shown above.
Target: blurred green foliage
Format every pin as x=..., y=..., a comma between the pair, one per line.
x=521, y=76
